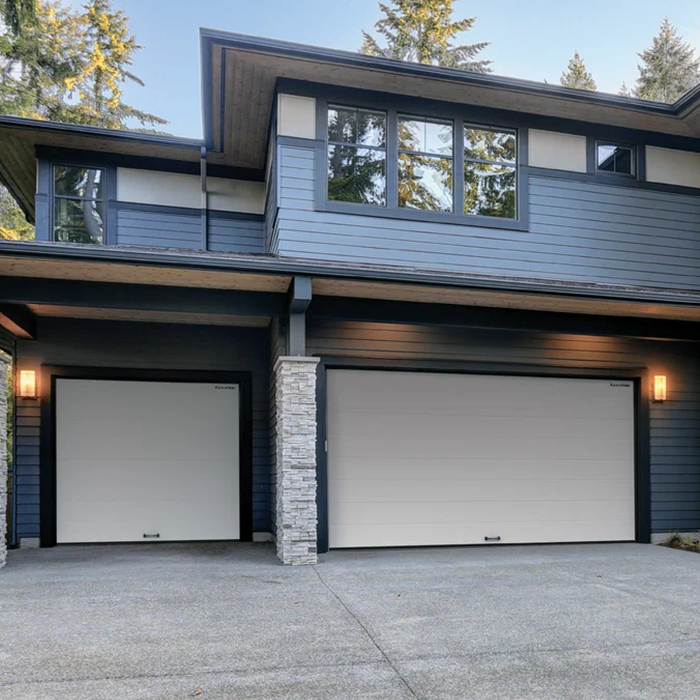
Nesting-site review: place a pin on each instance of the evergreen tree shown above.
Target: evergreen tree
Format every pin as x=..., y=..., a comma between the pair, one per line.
x=35, y=63
x=423, y=31
x=13, y=224
x=624, y=91
x=576, y=75
x=67, y=65
x=110, y=50
x=17, y=14
x=669, y=67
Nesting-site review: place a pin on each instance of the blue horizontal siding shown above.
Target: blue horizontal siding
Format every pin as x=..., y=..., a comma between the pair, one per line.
x=581, y=232
x=236, y=235
x=161, y=228
x=158, y=229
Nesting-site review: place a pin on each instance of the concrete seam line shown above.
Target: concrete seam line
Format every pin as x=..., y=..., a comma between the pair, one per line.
x=367, y=632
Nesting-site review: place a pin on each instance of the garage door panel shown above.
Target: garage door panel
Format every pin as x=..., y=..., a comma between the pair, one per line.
x=478, y=453
x=441, y=394
x=369, y=535
x=492, y=513
x=423, y=490
x=139, y=518
x=160, y=417
x=411, y=467
x=135, y=458
x=357, y=424
x=494, y=447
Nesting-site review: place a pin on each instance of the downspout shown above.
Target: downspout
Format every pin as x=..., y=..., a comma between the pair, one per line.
x=205, y=197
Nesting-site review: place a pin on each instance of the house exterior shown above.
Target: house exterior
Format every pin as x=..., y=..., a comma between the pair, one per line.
x=380, y=304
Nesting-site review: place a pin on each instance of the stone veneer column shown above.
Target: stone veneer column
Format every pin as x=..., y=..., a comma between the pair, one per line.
x=3, y=462
x=295, y=412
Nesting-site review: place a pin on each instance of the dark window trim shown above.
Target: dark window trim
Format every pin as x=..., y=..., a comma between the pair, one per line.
x=108, y=199
x=347, y=144
x=632, y=148
x=47, y=459
x=640, y=377
x=392, y=210
x=457, y=195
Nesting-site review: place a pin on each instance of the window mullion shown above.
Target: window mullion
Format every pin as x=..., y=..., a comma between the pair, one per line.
x=458, y=165
x=392, y=160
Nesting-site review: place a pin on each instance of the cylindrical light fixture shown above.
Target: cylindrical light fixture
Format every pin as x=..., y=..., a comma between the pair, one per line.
x=27, y=384
x=660, y=388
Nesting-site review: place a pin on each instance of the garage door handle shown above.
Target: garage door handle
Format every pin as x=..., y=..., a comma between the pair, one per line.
x=147, y=536
x=492, y=539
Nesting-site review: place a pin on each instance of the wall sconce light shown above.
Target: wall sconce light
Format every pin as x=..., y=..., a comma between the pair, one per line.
x=27, y=384
x=660, y=388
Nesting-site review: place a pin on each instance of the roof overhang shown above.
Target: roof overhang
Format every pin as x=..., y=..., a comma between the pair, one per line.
x=395, y=292
x=240, y=74
x=20, y=137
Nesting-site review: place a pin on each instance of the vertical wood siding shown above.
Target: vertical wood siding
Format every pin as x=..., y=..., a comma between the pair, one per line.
x=138, y=346
x=675, y=424
x=583, y=232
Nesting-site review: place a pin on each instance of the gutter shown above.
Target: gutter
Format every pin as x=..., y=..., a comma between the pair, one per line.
x=289, y=267
x=99, y=132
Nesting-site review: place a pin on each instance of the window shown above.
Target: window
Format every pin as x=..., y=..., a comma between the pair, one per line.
x=420, y=167
x=613, y=158
x=490, y=173
x=78, y=206
x=356, y=155
x=425, y=164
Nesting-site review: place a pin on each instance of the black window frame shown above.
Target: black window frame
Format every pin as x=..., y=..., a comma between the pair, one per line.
x=515, y=164
x=426, y=154
x=459, y=116
x=632, y=148
x=358, y=146
x=106, y=190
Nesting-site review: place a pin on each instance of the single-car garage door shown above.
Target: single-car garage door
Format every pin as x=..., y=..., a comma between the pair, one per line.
x=420, y=458
x=144, y=461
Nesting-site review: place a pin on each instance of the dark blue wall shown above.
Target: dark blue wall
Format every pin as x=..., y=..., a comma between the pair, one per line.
x=143, y=345
x=578, y=231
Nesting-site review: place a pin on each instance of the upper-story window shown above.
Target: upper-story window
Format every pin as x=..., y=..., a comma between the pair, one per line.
x=490, y=172
x=425, y=176
x=427, y=167
x=615, y=158
x=78, y=206
x=356, y=155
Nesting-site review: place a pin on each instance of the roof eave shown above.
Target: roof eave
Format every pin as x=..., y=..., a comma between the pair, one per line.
x=209, y=37
x=267, y=264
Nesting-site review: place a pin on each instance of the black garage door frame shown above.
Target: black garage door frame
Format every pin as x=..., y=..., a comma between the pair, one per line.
x=47, y=450
x=638, y=375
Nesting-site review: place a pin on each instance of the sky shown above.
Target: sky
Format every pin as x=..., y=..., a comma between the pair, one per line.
x=531, y=40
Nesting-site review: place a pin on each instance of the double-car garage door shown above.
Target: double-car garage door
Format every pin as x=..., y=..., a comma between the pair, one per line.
x=429, y=459
x=142, y=460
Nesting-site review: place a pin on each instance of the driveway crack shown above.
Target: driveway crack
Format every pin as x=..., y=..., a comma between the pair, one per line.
x=370, y=636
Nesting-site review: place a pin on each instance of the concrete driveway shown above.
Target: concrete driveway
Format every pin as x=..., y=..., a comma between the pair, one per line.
x=226, y=621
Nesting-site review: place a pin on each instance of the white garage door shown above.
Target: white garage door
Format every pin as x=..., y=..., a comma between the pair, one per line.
x=419, y=458
x=146, y=461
